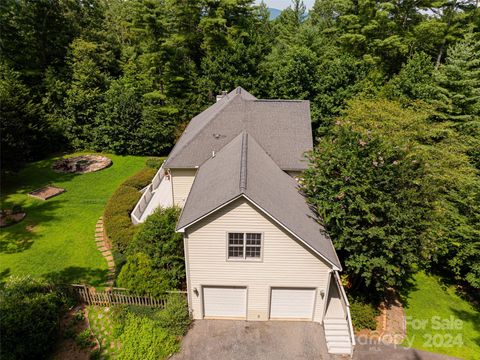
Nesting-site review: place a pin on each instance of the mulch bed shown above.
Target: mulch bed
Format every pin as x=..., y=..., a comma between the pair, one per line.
x=81, y=164
x=67, y=348
x=8, y=217
x=46, y=192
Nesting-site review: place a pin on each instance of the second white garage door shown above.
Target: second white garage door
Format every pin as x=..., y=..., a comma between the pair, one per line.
x=292, y=303
x=222, y=301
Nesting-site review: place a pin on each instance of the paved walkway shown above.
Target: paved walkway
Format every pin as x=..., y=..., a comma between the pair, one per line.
x=105, y=248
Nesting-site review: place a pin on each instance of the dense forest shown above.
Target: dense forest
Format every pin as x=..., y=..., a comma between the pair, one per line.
x=394, y=88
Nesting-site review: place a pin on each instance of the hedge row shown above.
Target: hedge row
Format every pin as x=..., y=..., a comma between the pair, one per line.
x=116, y=217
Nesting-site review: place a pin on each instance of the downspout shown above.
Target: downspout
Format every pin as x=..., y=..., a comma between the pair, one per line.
x=187, y=272
x=169, y=172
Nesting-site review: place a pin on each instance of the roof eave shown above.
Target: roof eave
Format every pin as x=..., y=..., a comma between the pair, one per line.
x=181, y=229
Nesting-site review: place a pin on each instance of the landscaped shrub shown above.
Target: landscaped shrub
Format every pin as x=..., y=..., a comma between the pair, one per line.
x=143, y=338
x=116, y=216
x=29, y=318
x=175, y=317
x=141, y=179
x=120, y=231
x=363, y=315
x=142, y=276
x=155, y=258
x=155, y=162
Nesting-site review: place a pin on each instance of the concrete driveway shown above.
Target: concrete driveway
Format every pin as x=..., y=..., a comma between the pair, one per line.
x=279, y=340
x=372, y=350
x=259, y=340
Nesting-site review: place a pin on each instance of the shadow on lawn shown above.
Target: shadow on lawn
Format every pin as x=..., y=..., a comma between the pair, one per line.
x=78, y=275
x=33, y=176
x=4, y=275
x=404, y=294
x=20, y=237
x=469, y=316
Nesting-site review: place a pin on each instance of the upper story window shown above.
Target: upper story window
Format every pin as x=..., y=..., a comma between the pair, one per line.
x=245, y=246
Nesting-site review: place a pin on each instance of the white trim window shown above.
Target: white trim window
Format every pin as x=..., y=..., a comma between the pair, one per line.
x=244, y=246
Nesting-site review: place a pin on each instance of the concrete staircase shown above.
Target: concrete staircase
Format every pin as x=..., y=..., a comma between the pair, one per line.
x=337, y=334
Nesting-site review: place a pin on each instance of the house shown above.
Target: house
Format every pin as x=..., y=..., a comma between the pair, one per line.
x=254, y=249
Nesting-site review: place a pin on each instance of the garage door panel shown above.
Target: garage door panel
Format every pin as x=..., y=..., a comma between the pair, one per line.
x=291, y=303
x=225, y=301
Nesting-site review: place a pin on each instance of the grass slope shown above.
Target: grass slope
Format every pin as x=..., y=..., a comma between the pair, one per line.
x=60, y=245
x=460, y=322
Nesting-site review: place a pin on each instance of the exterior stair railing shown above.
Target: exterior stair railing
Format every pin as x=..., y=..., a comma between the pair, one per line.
x=147, y=196
x=346, y=308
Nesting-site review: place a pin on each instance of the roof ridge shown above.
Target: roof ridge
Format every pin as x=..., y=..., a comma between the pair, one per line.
x=243, y=163
x=222, y=107
x=279, y=100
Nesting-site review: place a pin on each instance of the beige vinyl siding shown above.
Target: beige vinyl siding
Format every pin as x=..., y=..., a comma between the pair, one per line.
x=285, y=262
x=182, y=180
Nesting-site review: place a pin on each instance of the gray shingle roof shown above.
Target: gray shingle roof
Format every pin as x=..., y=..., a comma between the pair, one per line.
x=282, y=127
x=242, y=167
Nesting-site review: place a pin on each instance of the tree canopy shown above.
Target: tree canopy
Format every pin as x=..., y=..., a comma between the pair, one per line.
x=126, y=76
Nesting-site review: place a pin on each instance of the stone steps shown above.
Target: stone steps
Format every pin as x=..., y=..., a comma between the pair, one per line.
x=104, y=248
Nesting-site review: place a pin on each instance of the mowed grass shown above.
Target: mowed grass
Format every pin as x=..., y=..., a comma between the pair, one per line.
x=440, y=321
x=56, y=239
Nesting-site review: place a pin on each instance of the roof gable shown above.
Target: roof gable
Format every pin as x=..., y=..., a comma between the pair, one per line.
x=243, y=168
x=282, y=127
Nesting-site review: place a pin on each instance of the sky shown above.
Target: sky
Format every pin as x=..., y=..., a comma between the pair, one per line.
x=282, y=4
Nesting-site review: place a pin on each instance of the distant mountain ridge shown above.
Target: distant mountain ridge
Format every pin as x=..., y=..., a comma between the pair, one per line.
x=274, y=13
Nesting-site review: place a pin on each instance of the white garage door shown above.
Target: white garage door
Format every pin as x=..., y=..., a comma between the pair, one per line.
x=291, y=303
x=220, y=301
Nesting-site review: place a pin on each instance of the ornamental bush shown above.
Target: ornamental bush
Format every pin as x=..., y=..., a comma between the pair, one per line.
x=141, y=275
x=141, y=179
x=116, y=216
x=155, y=162
x=175, y=317
x=363, y=315
x=155, y=257
x=29, y=318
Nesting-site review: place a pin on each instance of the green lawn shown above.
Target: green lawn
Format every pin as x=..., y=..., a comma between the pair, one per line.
x=438, y=320
x=56, y=239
